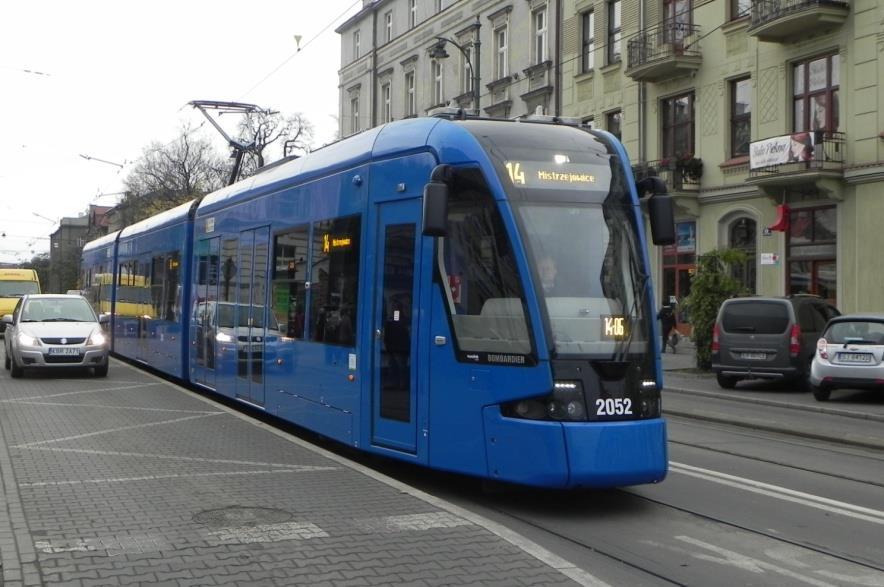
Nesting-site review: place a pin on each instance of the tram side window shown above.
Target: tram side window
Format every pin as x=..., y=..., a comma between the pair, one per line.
x=228, y=270
x=157, y=284
x=334, y=281
x=485, y=296
x=289, y=297
x=171, y=303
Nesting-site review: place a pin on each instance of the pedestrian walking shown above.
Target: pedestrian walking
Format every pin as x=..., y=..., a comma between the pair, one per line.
x=667, y=323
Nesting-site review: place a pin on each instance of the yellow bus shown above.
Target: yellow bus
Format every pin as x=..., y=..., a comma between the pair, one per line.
x=14, y=283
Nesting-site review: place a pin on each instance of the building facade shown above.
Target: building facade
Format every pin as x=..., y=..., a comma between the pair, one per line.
x=763, y=117
x=394, y=66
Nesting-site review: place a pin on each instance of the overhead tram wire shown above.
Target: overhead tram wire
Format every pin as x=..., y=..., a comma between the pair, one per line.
x=290, y=57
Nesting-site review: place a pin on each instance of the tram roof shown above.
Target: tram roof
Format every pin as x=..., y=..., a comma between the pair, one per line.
x=101, y=241
x=166, y=218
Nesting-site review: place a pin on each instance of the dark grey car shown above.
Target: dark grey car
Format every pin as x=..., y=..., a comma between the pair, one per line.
x=768, y=338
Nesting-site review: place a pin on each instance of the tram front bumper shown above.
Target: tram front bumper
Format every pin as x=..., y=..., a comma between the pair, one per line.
x=575, y=454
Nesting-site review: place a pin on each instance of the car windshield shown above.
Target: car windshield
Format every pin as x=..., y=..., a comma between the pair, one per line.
x=57, y=310
x=226, y=313
x=16, y=289
x=855, y=332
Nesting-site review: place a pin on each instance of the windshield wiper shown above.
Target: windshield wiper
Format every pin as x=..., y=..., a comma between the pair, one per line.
x=638, y=303
x=744, y=328
x=59, y=320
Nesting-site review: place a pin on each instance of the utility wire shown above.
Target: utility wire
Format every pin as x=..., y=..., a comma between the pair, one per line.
x=290, y=57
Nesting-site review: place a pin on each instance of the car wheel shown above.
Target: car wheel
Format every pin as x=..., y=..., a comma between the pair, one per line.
x=15, y=370
x=101, y=371
x=726, y=382
x=821, y=394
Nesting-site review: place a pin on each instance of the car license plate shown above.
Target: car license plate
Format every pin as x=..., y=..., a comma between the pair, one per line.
x=855, y=357
x=66, y=351
x=753, y=356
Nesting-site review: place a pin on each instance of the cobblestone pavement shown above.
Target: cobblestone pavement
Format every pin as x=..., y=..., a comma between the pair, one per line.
x=131, y=480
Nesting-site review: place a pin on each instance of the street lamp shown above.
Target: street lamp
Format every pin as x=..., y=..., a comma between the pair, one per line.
x=437, y=51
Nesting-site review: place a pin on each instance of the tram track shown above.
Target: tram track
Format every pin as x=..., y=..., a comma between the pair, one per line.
x=782, y=462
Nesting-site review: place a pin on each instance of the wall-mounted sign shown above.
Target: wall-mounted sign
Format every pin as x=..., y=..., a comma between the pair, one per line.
x=770, y=259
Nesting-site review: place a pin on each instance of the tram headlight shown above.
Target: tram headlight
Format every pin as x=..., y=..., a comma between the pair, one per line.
x=566, y=402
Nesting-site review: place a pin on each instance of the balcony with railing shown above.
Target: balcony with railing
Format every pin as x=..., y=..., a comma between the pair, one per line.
x=784, y=162
x=664, y=51
x=785, y=20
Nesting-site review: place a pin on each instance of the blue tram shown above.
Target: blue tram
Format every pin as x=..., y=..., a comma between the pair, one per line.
x=470, y=295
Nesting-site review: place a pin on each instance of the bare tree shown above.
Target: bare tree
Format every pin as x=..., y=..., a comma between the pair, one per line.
x=263, y=129
x=170, y=174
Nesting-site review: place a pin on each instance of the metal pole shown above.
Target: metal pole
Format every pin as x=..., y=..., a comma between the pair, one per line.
x=477, y=44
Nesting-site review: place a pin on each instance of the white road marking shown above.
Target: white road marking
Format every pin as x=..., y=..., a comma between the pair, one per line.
x=746, y=563
x=120, y=429
x=144, y=455
x=302, y=469
x=410, y=522
x=80, y=392
x=265, y=533
x=790, y=495
x=101, y=406
x=113, y=545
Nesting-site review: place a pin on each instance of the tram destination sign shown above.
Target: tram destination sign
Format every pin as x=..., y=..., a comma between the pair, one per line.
x=552, y=175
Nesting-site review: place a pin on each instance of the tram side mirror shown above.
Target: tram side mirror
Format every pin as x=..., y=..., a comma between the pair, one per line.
x=662, y=215
x=661, y=210
x=435, y=209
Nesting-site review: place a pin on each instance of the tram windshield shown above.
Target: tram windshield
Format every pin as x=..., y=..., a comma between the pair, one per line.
x=574, y=208
x=588, y=273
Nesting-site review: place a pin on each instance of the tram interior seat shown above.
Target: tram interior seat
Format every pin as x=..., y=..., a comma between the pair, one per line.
x=499, y=327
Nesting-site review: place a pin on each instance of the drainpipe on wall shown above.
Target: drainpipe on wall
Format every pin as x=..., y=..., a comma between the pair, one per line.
x=374, y=67
x=642, y=110
x=558, y=71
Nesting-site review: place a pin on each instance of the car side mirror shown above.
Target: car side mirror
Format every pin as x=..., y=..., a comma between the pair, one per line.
x=7, y=319
x=104, y=319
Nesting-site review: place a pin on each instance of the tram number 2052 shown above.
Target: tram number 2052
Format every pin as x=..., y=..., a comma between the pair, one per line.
x=613, y=407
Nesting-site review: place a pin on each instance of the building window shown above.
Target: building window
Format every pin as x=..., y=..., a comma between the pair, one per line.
x=811, y=244
x=587, y=61
x=500, y=44
x=467, y=79
x=354, y=114
x=614, y=122
x=386, y=98
x=677, y=22
x=355, y=45
x=388, y=26
x=816, y=94
x=412, y=13
x=334, y=281
x=410, y=103
x=741, y=236
x=614, y=31
x=289, y=299
x=741, y=116
x=539, y=52
x=740, y=8
x=436, y=68
x=678, y=126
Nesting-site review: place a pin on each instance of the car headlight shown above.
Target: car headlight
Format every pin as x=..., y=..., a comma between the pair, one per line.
x=223, y=337
x=27, y=340
x=96, y=338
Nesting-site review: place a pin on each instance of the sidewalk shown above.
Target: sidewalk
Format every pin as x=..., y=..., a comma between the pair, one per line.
x=131, y=480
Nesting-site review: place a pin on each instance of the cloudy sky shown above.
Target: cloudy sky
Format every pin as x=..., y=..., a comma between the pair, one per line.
x=106, y=78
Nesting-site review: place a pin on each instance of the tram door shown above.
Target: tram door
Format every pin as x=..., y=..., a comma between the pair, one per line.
x=203, y=323
x=394, y=422
x=249, y=328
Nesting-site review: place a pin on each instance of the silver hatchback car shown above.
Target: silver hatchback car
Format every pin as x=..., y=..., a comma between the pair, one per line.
x=850, y=354
x=55, y=331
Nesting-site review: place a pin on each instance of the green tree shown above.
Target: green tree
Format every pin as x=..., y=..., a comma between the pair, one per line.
x=712, y=284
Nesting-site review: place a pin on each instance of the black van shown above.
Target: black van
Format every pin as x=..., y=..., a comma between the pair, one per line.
x=768, y=338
